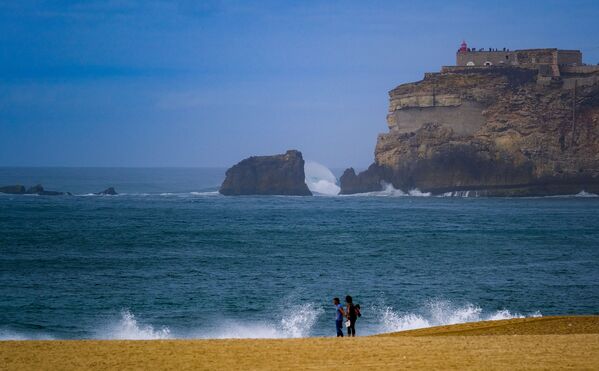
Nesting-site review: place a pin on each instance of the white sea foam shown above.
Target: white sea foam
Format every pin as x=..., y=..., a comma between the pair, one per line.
x=211, y=193
x=461, y=194
x=128, y=328
x=389, y=191
x=299, y=320
x=417, y=193
x=14, y=335
x=436, y=313
x=296, y=321
x=320, y=179
x=585, y=194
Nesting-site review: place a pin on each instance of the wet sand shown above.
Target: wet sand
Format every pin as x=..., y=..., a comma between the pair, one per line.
x=532, y=343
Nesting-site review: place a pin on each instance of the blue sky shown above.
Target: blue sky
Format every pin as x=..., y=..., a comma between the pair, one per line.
x=207, y=83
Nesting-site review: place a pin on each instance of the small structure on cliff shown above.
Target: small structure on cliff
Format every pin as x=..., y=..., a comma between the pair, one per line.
x=267, y=175
x=529, y=125
x=548, y=61
x=472, y=57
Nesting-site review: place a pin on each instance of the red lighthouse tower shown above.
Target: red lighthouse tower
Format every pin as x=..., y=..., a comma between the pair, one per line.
x=463, y=47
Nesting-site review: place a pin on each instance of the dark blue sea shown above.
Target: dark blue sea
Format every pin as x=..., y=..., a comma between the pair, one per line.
x=170, y=258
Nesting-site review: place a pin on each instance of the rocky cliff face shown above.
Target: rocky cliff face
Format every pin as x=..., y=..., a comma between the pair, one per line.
x=491, y=130
x=267, y=175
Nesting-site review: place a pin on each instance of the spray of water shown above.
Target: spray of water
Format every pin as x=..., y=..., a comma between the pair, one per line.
x=387, y=190
x=128, y=328
x=320, y=179
x=295, y=321
x=436, y=313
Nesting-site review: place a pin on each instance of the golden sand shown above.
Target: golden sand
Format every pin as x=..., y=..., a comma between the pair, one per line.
x=533, y=343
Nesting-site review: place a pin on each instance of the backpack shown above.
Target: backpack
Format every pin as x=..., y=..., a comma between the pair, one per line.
x=357, y=310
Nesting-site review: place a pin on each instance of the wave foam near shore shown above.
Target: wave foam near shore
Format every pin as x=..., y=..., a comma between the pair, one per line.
x=439, y=313
x=128, y=328
x=14, y=335
x=389, y=191
x=296, y=322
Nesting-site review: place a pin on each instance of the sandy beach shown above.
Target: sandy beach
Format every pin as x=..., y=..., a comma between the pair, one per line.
x=533, y=343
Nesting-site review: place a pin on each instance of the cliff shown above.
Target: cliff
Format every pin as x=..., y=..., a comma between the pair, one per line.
x=491, y=130
x=267, y=175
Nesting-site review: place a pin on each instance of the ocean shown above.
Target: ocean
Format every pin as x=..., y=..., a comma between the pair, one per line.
x=171, y=258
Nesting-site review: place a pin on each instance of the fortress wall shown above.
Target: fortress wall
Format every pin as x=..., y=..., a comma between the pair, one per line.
x=579, y=69
x=498, y=67
x=464, y=119
x=479, y=58
x=520, y=57
x=569, y=57
x=533, y=56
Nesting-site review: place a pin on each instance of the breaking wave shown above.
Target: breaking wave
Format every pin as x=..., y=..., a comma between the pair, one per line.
x=6, y=334
x=128, y=328
x=320, y=179
x=389, y=191
x=585, y=194
x=437, y=313
x=296, y=321
x=461, y=194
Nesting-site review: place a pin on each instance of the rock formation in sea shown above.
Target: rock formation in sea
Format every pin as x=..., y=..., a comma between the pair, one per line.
x=110, y=191
x=35, y=190
x=39, y=190
x=13, y=189
x=529, y=126
x=267, y=175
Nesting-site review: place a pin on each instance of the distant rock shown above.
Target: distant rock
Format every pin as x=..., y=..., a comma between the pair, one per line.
x=13, y=189
x=36, y=189
x=367, y=181
x=267, y=175
x=39, y=190
x=107, y=192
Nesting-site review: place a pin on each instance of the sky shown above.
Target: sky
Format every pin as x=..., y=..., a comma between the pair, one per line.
x=207, y=83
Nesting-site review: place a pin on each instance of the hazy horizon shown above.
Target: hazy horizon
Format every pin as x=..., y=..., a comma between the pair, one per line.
x=187, y=84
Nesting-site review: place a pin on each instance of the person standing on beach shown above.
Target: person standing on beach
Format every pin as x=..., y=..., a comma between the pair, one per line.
x=339, y=315
x=352, y=316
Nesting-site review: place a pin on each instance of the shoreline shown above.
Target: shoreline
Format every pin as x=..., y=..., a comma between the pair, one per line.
x=523, y=343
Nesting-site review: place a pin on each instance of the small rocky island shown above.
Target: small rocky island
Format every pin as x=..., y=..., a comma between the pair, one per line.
x=35, y=190
x=41, y=191
x=498, y=123
x=267, y=175
x=110, y=191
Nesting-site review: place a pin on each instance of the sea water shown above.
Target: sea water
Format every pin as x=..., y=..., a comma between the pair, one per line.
x=171, y=258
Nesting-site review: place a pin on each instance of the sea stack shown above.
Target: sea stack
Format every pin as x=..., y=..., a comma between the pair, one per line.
x=498, y=123
x=39, y=190
x=110, y=191
x=267, y=175
x=13, y=189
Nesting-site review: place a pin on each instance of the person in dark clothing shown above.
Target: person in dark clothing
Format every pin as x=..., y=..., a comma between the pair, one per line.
x=352, y=316
x=339, y=315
